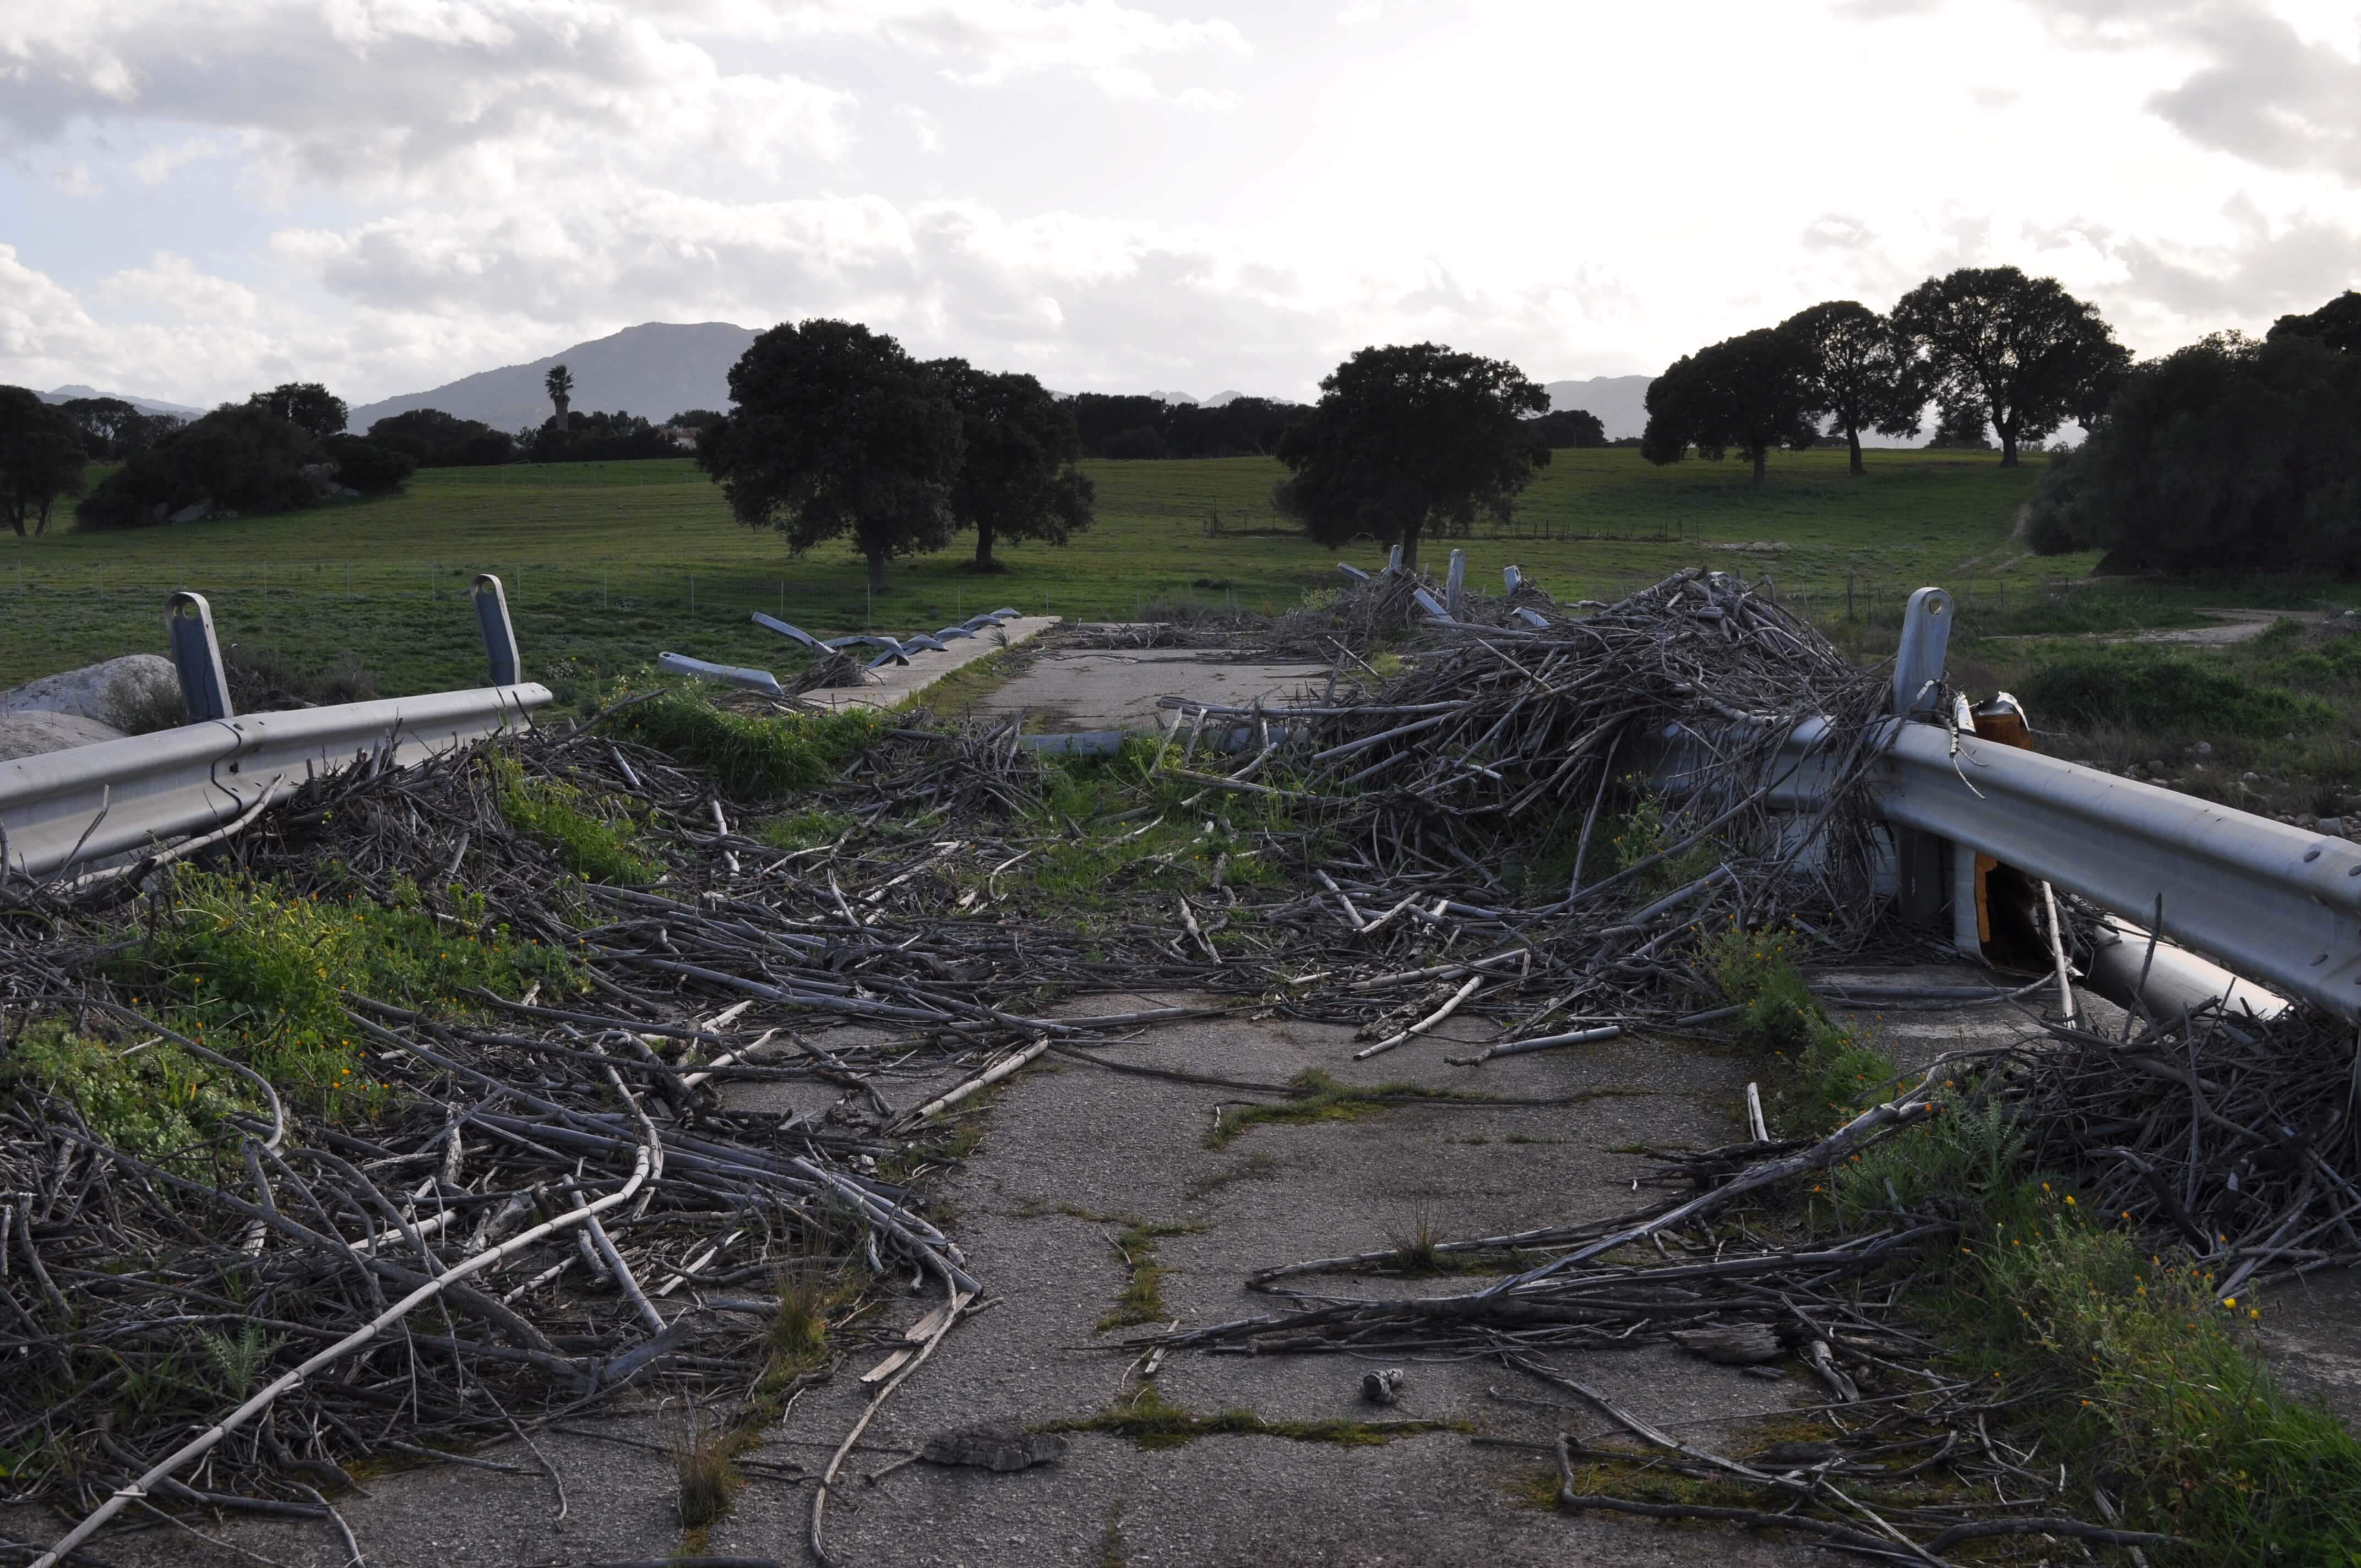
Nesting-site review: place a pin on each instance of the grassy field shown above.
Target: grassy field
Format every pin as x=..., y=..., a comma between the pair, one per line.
x=607, y=564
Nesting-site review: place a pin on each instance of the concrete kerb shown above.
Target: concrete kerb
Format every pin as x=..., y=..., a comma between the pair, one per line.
x=892, y=684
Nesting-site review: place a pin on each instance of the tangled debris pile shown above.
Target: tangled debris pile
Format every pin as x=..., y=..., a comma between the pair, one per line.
x=531, y=1139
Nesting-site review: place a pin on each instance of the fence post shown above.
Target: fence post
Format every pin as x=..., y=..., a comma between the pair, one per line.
x=499, y=636
x=1455, y=584
x=196, y=654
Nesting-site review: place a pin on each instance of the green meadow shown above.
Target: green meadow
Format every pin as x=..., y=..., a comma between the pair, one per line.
x=608, y=563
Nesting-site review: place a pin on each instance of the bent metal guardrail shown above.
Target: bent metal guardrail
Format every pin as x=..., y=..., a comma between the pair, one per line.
x=90, y=803
x=2277, y=904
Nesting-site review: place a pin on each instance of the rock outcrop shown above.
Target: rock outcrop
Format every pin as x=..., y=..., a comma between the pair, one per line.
x=136, y=693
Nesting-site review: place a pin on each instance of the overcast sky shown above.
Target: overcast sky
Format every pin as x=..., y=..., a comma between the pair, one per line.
x=199, y=197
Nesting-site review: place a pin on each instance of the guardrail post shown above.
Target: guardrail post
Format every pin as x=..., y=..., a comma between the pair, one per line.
x=499, y=636
x=1918, y=662
x=1455, y=584
x=196, y=654
x=1932, y=886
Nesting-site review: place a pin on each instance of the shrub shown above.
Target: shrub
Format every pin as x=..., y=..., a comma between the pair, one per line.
x=371, y=469
x=2230, y=455
x=238, y=456
x=438, y=440
x=2147, y=688
x=599, y=437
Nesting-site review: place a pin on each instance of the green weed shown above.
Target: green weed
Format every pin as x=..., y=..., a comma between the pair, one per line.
x=1821, y=1074
x=2155, y=1381
x=256, y=973
x=803, y=829
x=153, y=1100
x=588, y=844
x=751, y=758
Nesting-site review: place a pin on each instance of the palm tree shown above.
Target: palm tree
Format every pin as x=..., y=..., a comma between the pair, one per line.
x=559, y=383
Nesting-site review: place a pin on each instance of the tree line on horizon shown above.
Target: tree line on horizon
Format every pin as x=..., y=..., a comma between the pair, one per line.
x=2230, y=452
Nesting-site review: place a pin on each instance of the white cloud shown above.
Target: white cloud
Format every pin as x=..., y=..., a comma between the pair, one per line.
x=172, y=283
x=367, y=92
x=922, y=127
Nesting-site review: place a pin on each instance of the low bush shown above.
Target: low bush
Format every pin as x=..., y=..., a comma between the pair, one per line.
x=238, y=458
x=2145, y=687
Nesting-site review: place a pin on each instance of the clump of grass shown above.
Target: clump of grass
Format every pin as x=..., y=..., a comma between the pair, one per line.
x=153, y=1100
x=1146, y=1420
x=1142, y=1300
x=796, y=1341
x=1826, y=1074
x=803, y=829
x=1414, y=1252
x=1320, y=1098
x=1255, y=1166
x=588, y=844
x=704, y=1463
x=2152, y=1377
x=751, y=758
x=256, y=972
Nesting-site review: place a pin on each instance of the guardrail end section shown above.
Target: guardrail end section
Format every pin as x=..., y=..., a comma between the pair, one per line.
x=1918, y=662
x=500, y=635
x=196, y=654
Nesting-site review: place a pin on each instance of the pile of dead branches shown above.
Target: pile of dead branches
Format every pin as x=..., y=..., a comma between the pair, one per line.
x=2235, y=1138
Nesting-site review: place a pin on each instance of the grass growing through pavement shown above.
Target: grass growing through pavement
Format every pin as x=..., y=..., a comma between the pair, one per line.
x=2132, y=1367
x=1320, y=1098
x=1146, y=1420
x=1142, y=1300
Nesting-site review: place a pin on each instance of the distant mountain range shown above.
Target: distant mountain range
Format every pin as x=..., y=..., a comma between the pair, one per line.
x=656, y=370
x=1620, y=402
x=68, y=392
x=659, y=368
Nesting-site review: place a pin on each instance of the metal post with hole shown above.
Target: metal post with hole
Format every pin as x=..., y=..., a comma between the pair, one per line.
x=499, y=636
x=196, y=654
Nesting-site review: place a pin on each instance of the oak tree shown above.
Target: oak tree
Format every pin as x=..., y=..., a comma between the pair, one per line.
x=834, y=431
x=1862, y=374
x=1748, y=393
x=1017, y=477
x=1407, y=437
x=2030, y=353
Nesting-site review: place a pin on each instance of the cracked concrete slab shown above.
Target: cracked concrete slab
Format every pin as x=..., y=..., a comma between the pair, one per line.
x=1069, y=689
